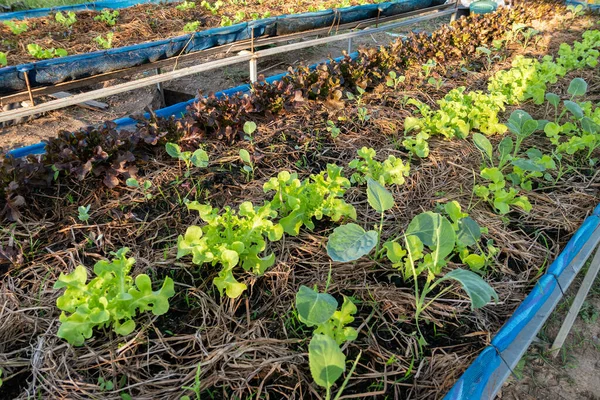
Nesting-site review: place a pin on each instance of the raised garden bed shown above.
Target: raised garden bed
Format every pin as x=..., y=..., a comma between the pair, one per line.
x=230, y=330
x=101, y=54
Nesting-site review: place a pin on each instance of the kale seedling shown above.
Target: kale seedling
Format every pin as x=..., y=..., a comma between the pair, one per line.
x=248, y=167
x=333, y=129
x=249, y=129
x=198, y=158
x=394, y=80
x=326, y=360
x=430, y=241
x=145, y=187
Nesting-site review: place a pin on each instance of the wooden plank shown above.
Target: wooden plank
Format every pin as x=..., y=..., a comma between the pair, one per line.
x=586, y=285
x=90, y=104
x=225, y=49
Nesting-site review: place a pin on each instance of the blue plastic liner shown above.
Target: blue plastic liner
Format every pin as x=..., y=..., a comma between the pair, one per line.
x=49, y=72
x=473, y=381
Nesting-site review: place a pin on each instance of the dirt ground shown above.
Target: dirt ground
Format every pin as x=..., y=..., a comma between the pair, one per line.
x=574, y=374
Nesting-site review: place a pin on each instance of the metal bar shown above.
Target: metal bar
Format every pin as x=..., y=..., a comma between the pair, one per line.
x=128, y=86
x=586, y=285
x=227, y=49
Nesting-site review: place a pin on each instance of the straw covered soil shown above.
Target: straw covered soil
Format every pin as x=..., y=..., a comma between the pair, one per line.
x=143, y=23
x=254, y=347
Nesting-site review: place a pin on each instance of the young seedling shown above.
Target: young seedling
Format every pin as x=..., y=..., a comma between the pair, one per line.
x=191, y=26
x=145, y=187
x=433, y=232
x=428, y=68
x=3, y=59
x=198, y=158
x=197, y=385
x=108, y=17
x=186, y=5
x=213, y=8
x=248, y=167
x=105, y=43
x=363, y=114
x=333, y=129
x=105, y=385
x=67, y=20
x=249, y=129
x=83, y=213
x=17, y=27
x=326, y=360
x=393, y=80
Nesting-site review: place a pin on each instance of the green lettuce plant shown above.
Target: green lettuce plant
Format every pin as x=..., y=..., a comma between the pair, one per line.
x=39, y=52
x=105, y=43
x=67, y=20
x=108, y=17
x=298, y=202
x=112, y=298
x=390, y=172
x=230, y=239
x=186, y=5
x=16, y=27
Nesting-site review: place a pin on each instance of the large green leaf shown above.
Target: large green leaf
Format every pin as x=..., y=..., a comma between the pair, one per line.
x=314, y=308
x=521, y=123
x=484, y=145
x=479, y=291
x=350, y=242
x=326, y=360
x=577, y=87
x=378, y=196
x=436, y=232
x=469, y=232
